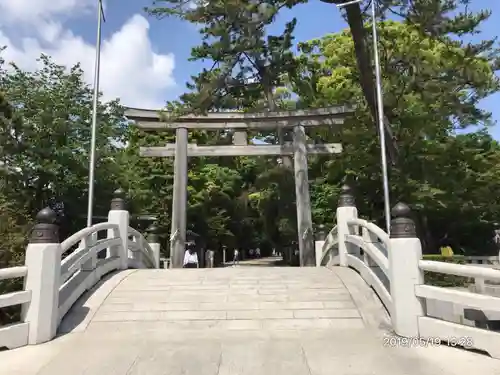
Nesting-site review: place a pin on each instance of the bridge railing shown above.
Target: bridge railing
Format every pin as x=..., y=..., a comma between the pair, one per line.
x=327, y=252
x=482, y=260
x=140, y=252
x=57, y=274
x=16, y=334
x=81, y=269
x=367, y=254
x=393, y=266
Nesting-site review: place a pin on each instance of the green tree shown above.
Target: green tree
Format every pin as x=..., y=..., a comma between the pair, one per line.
x=46, y=145
x=248, y=63
x=45, y=118
x=14, y=221
x=227, y=21
x=435, y=88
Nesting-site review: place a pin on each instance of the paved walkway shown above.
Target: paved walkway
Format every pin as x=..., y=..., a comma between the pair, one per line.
x=233, y=321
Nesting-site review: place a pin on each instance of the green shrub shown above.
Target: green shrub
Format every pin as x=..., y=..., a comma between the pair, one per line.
x=14, y=229
x=444, y=280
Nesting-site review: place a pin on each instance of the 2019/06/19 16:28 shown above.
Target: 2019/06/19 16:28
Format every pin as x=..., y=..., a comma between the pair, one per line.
x=411, y=342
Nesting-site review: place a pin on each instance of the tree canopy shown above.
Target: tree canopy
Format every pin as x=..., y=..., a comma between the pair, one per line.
x=435, y=90
x=233, y=28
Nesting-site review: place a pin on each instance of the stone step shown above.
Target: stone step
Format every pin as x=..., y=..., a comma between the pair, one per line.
x=211, y=306
x=231, y=281
x=227, y=287
x=250, y=293
x=115, y=316
x=193, y=327
x=162, y=297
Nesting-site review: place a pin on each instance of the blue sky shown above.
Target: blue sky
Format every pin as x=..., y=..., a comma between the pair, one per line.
x=144, y=60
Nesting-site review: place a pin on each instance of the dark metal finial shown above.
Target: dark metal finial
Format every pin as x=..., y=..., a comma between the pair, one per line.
x=346, y=198
x=402, y=224
x=45, y=230
x=46, y=216
x=118, y=201
x=153, y=233
x=401, y=210
x=119, y=193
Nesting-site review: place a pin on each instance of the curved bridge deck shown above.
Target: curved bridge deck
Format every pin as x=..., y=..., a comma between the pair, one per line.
x=233, y=321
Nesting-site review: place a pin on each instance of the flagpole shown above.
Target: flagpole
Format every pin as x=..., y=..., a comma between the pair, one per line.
x=381, y=129
x=100, y=17
x=380, y=112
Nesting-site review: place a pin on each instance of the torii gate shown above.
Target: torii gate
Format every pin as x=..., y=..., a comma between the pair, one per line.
x=240, y=123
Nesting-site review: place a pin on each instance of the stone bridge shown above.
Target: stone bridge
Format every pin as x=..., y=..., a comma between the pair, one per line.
x=362, y=310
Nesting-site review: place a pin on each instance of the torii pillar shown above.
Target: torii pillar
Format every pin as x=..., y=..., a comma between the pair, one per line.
x=179, y=199
x=303, y=200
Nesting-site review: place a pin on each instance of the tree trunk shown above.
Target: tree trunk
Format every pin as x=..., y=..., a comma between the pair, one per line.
x=366, y=75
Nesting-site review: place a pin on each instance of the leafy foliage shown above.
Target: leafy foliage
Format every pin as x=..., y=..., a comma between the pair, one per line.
x=443, y=280
x=435, y=89
x=45, y=138
x=246, y=61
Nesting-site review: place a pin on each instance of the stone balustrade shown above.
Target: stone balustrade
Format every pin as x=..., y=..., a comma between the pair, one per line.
x=57, y=273
x=393, y=266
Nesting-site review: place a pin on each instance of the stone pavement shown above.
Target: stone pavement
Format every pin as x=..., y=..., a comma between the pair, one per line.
x=233, y=321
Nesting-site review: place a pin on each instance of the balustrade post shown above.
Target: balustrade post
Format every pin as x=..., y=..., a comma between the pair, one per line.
x=154, y=242
x=320, y=237
x=43, y=259
x=119, y=215
x=346, y=210
x=405, y=252
x=368, y=237
x=91, y=264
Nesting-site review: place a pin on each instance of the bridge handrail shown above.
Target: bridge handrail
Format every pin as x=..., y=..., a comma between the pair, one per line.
x=80, y=270
x=86, y=232
x=465, y=270
x=14, y=298
x=374, y=242
x=81, y=255
x=15, y=334
x=464, y=298
x=13, y=272
x=371, y=279
x=483, y=260
x=141, y=244
x=371, y=227
x=479, y=338
x=331, y=240
x=376, y=254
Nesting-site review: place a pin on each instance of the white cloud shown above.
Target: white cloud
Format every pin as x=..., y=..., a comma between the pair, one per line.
x=34, y=10
x=130, y=68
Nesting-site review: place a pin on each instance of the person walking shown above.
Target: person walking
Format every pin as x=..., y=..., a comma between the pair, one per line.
x=191, y=259
x=236, y=255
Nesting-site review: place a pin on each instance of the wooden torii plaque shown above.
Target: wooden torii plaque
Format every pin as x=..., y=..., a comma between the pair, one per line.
x=240, y=123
